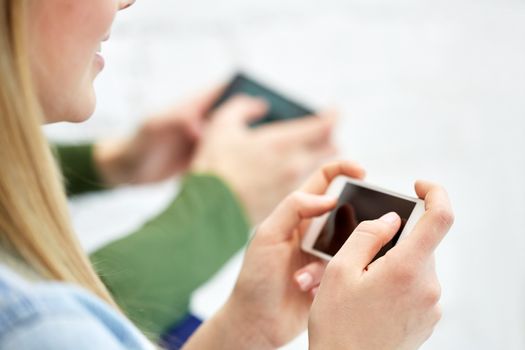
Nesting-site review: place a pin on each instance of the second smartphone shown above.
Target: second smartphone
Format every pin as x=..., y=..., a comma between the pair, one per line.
x=280, y=108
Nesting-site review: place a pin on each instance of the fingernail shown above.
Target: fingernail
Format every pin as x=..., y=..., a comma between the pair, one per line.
x=389, y=218
x=304, y=280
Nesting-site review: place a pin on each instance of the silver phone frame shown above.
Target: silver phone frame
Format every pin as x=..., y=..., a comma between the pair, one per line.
x=335, y=189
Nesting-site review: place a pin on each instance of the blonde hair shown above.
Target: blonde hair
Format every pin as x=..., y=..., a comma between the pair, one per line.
x=34, y=218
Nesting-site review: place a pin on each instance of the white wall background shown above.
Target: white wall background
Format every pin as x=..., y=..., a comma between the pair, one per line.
x=429, y=89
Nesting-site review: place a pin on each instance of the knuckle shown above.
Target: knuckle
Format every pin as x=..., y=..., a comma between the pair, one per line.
x=326, y=167
x=368, y=227
x=405, y=274
x=374, y=229
x=433, y=294
x=263, y=227
x=316, y=269
x=428, y=332
x=238, y=104
x=437, y=314
x=294, y=200
x=233, y=105
x=240, y=99
x=444, y=216
x=327, y=172
x=335, y=269
x=279, y=144
x=292, y=172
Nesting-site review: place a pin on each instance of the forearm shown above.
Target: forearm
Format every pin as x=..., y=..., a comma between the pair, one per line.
x=153, y=272
x=80, y=171
x=114, y=166
x=228, y=330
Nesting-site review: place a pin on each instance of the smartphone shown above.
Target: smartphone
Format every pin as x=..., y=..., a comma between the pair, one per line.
x=280, y=107
x=358, y=201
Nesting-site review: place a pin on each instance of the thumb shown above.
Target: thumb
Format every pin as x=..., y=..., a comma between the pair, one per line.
x=194, y=128
x=241, y=109
x=367, y=240
x=289, y=214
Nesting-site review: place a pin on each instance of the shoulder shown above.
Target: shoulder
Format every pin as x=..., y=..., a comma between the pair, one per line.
x=59, y=316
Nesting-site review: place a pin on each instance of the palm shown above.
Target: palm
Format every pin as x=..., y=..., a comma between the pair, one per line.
x=165, y=143
x=163, y=149
x=271, y=290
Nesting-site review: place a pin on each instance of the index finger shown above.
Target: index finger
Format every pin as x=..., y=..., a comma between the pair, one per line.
x=318, y=183
x=204, y=101
x=289, y=214
x=433, y=225
x=307, y=131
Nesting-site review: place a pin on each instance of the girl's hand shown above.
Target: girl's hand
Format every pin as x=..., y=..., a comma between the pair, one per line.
x=391, y=303
x=264, y=164
x=270, y=302
x=162, y=147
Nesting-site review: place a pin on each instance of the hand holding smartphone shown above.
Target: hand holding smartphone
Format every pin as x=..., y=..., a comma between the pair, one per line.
x=358, y=201
x=280, y=108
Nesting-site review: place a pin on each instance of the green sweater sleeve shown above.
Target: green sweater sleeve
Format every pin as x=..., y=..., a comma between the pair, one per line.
x=78, y=168
x=153, y=272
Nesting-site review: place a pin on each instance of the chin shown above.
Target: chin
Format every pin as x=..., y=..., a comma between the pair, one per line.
x=83, y=110
x=75, y=106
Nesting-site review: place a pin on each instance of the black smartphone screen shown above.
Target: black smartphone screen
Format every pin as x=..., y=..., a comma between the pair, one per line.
x=358, y=204
x=280, y=108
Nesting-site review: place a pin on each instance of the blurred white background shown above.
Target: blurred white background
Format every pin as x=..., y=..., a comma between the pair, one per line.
x=428, y=89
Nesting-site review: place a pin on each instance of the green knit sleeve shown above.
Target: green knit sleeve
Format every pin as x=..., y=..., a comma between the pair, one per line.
x=153, y=272
x=78, y=168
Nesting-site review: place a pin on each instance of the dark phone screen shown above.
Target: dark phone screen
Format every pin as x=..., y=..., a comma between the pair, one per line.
x=280, y=108
x=358, y=204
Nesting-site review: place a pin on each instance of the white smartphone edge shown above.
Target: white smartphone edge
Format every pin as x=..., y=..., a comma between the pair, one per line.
x=335, y=189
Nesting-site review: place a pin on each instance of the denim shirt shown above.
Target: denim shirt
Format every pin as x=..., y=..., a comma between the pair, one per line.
x=52, y=315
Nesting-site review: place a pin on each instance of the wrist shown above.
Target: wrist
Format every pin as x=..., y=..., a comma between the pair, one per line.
x=110, y=162
x=242, y=332
x=320, y=337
